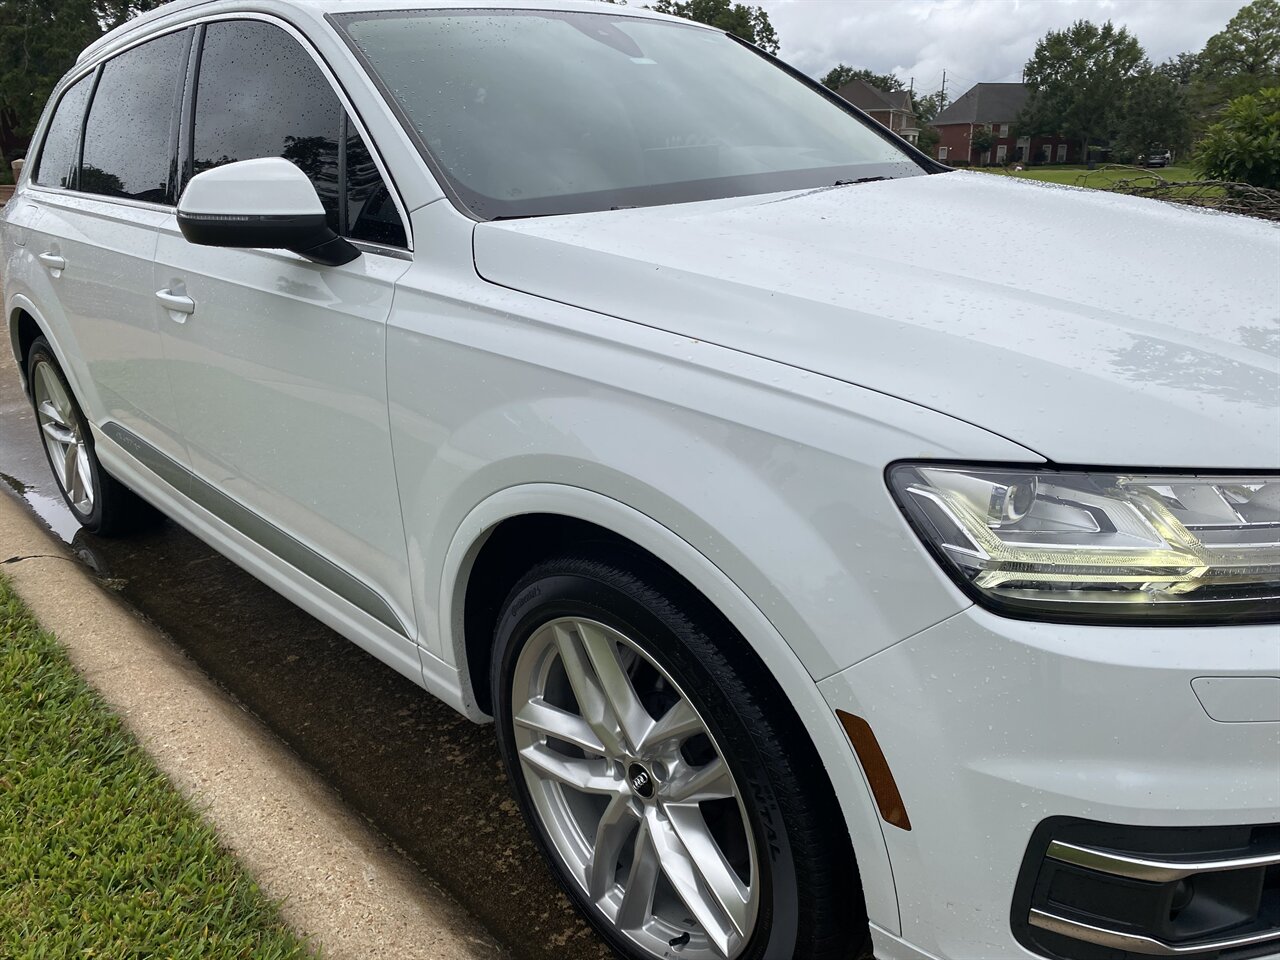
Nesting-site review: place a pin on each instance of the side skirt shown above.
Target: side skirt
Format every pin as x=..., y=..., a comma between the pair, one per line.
x=289, y=567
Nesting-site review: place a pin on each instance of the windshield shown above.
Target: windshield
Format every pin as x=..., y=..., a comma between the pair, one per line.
x=531, y=113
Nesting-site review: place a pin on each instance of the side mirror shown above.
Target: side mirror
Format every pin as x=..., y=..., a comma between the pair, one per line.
x=260, y=203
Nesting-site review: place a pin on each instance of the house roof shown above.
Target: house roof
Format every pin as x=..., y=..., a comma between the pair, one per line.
x=864, y=95
x=898, y=99
x=986, y=103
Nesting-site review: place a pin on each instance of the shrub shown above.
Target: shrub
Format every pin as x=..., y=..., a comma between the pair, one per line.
x=1244, y=146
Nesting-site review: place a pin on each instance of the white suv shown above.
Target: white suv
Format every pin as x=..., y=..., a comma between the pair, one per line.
x=848, y=549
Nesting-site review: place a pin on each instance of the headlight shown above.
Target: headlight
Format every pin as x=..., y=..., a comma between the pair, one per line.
x=1067, y=545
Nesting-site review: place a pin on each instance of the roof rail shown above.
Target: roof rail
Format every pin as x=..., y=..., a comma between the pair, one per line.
x=112, y=37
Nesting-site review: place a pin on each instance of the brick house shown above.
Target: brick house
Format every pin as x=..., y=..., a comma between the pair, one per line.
x=995, y=107
x=890, y=109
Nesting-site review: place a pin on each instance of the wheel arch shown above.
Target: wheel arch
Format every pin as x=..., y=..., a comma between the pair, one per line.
x=496, y=544
x=26, y=322
x=24, y=328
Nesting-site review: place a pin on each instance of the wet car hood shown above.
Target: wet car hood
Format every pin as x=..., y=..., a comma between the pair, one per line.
x=1089, y=327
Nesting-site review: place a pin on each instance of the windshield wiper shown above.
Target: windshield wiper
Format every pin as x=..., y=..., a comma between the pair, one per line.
x=850, y=183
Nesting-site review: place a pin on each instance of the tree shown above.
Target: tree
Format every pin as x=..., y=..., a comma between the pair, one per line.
x=927, y=107
x=980, y=142
x=841, y=74
x=39, y=42
x=1077, y=78
x=1244, y=146
x=1245, y=56
x=744, y=22
x=1181, y=68
x=1242, y=58
x=1153, y=114
x=928, y=139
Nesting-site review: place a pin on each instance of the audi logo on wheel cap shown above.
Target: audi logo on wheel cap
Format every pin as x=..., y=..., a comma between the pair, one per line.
x=641, y=781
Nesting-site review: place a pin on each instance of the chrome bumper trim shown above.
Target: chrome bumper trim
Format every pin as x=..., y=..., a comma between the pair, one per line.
x=1135, y=943
x=1152, y=869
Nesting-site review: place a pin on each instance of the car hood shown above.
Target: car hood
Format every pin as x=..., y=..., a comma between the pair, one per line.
x=1089, y=327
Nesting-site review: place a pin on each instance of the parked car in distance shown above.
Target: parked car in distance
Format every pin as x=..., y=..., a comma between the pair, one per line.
x=1158, y=159
x=835, y=577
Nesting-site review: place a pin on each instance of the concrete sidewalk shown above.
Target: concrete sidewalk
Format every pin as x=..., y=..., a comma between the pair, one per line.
x=339, y=882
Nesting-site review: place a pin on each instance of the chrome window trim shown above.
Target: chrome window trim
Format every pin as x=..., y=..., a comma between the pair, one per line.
x=1136, y=943
x=382, y=249
x=158, y=30
x=59, y=192
x=1156, y=870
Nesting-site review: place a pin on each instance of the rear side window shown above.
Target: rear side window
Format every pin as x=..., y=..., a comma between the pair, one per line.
x=260, y=94
x=130, y=139
x=58, y=156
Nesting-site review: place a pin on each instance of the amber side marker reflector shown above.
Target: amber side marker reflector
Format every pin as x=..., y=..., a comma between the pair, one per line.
x=876, y=767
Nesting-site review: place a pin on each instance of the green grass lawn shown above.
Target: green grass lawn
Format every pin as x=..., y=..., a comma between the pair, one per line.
x=99, y=855
x=1101, y=179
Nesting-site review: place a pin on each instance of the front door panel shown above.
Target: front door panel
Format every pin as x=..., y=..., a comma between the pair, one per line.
x=279, y=380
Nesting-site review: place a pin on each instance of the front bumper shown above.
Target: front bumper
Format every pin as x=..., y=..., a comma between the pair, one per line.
x=994, y=727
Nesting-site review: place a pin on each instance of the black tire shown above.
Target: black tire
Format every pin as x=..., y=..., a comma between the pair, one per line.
x=811, y=904
x=116, y=510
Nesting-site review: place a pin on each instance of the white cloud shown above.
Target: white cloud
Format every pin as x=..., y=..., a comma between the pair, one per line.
x=973, y=40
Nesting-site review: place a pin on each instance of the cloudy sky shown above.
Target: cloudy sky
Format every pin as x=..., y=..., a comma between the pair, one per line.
x=972, y=40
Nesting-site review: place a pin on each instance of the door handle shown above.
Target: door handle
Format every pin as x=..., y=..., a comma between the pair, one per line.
x=54, y=262
x=178, y=303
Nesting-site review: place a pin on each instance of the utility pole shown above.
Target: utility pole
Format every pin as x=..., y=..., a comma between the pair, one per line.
x=942, y=96
x=911, y=88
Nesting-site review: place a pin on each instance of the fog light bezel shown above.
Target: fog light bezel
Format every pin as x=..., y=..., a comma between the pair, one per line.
x=1150, y=851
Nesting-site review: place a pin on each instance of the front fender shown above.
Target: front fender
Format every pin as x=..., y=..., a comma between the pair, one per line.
x=861, y=817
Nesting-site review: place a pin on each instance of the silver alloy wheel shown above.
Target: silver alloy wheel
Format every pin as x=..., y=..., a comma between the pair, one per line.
x=634, y=793
x=59, y=427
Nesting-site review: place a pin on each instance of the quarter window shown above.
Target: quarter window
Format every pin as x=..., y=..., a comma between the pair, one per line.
x=130, y=135
x=371, y=214
x=58, y=158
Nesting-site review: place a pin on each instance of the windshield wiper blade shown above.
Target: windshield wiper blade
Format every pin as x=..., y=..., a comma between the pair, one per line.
x=850, y=183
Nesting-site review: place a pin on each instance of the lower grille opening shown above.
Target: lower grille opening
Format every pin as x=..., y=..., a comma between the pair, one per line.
x=1093, y=891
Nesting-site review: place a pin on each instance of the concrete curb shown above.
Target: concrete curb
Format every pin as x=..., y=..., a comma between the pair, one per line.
x=339, y=882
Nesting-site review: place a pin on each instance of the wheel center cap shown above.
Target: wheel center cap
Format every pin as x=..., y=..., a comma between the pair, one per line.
x=641, y=781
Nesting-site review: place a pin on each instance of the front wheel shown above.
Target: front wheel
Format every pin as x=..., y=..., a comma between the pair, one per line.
x=672, y=799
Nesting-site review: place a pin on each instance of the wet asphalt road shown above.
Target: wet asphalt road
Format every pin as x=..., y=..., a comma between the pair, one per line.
x=424, y=776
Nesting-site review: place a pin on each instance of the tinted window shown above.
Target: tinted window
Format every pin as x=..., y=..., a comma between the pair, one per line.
x=58, y=156
x=259, y=94
x=129, y=139
x=371, y=213
x=534, y=112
